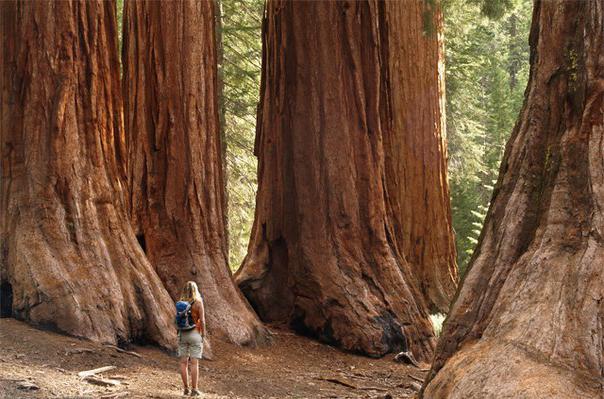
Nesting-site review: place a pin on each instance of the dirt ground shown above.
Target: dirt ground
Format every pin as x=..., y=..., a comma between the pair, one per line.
x=292, y=367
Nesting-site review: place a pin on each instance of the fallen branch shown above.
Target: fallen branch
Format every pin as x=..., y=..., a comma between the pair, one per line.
x=27, y=386
x=102, y=381
x=88, y=373
x=117, y=348
x=118, y=377
x=406, y=357
x=421, y=380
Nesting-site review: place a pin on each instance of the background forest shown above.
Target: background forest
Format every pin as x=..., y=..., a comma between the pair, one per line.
x=486, y=73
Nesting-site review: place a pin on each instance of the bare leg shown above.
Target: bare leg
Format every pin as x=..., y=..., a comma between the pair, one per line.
x=194, y=372
x=184, y=372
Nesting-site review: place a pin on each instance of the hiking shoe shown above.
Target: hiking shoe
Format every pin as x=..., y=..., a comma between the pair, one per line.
x=186, y=392
x=195, y=392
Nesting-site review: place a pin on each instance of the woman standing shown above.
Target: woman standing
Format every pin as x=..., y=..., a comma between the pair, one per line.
x=190, y=320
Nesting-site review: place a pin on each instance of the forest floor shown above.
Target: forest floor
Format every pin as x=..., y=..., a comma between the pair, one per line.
x=291, y=367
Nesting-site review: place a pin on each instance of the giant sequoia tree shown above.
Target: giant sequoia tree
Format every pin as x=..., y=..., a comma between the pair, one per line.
x=175, y=178
x=416, y=160
x=68, y=252
x=528, y=320
x=323, y=256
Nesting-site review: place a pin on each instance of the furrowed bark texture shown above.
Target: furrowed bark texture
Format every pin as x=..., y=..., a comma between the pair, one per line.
x=175, y=172
x=322, y=256
x=68, y=251
x=416, y=151
x=527, y=322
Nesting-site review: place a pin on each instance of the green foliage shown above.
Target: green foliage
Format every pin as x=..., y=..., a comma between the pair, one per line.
x=486, y=74
x=494, y=9
x=240, y=68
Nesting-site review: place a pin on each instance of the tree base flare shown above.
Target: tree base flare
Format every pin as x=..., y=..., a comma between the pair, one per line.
x=506, y=370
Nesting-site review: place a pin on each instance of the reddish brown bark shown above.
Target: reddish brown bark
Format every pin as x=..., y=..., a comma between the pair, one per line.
x=416, y=151
x=527, y=322
x=175, y=158
x=322, y=256
x=68, y=251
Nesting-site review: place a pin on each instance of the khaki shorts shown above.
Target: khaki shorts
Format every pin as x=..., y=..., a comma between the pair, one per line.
x=190, y=344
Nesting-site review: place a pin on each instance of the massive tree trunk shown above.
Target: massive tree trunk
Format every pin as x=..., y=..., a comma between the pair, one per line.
x=322, y=257
x=175, y=172
x=416, y=154
x=527, y=322
x=68, y=252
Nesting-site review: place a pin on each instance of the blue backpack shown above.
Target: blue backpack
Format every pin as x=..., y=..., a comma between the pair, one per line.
x=184, y=317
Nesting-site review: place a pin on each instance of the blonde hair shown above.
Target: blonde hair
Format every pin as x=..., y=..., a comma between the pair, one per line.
x=190, y=292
